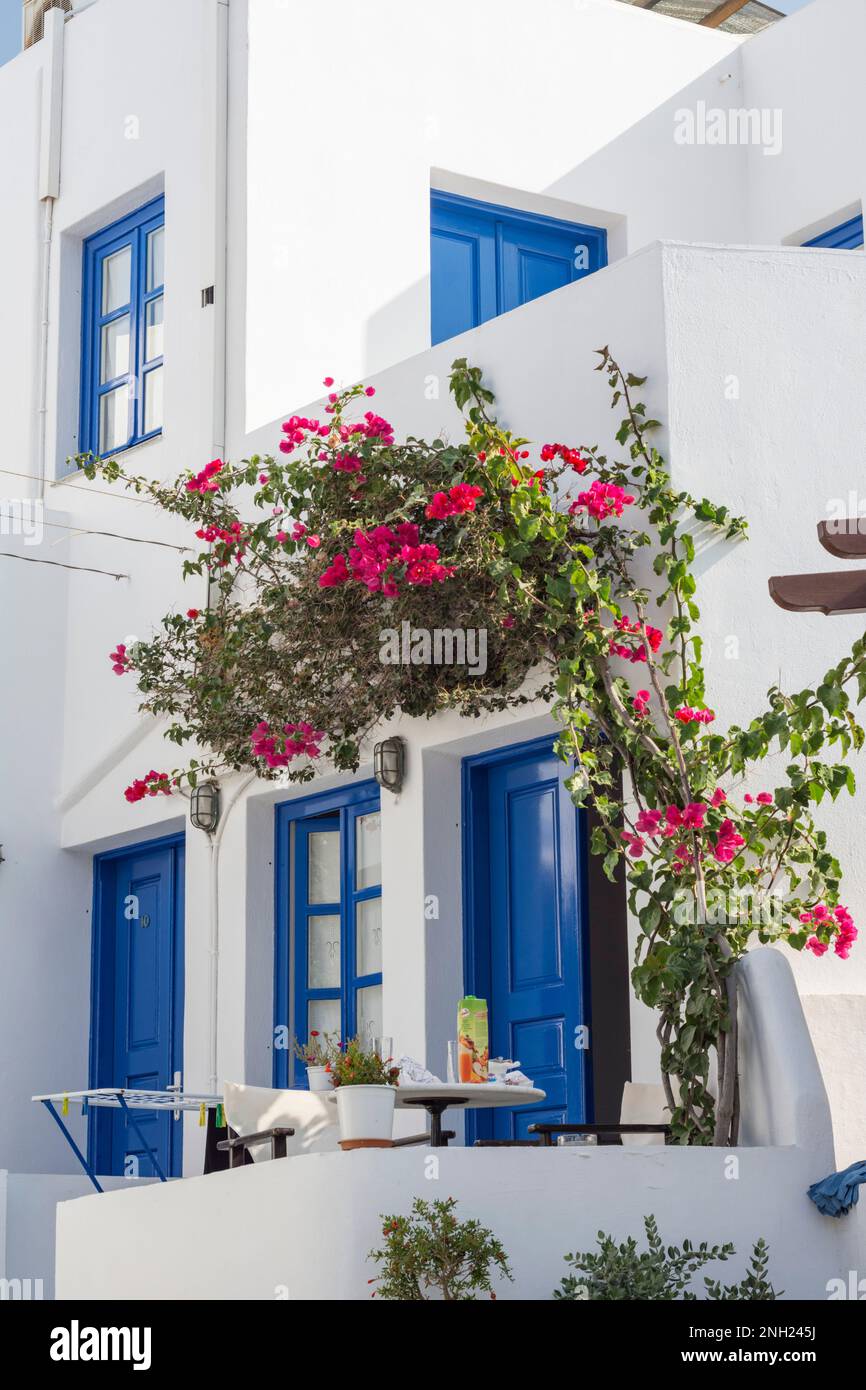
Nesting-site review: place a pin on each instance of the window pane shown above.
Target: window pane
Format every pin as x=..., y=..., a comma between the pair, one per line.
x=368, y=854
x=324, y=867
x=116, y=271
x=323, y=952
x=115, y=350
x=370, y=1013
x=368, y=926
x=156, y=259
x=114, y=419
x=153, y=340
x=323, y=1016
x=153, y=400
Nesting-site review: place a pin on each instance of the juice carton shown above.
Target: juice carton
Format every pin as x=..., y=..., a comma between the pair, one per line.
x=472, y=1039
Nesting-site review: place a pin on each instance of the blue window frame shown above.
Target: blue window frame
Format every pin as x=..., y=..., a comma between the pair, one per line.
x=846, y=237
x=486, y=259
x=122, y=333
x=328, y=950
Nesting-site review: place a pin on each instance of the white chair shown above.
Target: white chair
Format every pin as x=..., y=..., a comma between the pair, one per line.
x=273, y=1124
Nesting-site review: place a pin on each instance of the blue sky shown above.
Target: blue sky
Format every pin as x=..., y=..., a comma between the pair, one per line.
x=10, y=28
x=10, y=23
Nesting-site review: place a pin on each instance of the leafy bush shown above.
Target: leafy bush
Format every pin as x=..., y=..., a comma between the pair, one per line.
x=355, y=1065
x=659, y=1273
x=431, y=1254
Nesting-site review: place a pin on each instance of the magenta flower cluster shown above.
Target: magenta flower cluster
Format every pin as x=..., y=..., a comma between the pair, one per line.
x=457, y=500
x=840, y=917
x=206, y=480
x=293, y=741
x=379, y=555
x=602, y=500
x=151, y=784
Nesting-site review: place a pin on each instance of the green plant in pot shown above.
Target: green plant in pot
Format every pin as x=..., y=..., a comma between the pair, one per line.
x=364, y=1083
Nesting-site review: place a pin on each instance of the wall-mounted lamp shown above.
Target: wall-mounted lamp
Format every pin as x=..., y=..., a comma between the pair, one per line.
x=389, y=763
x=204, y=806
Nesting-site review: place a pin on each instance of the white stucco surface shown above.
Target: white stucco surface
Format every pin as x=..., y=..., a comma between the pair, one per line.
x=311, y=276
x=300, y=1228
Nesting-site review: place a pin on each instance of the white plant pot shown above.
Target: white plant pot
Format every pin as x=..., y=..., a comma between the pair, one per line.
x=366, y=1112
x=319, y=1079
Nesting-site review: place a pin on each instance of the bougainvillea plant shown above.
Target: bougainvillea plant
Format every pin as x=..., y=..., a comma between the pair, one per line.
x=561, y=558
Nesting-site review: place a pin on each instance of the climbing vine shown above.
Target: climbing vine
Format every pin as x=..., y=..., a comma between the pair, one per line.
x=330, y=562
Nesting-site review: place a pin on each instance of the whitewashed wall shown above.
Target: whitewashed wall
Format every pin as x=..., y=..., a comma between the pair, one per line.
x=320, y=280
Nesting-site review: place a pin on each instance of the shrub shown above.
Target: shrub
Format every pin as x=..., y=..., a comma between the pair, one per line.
x=431, y=1253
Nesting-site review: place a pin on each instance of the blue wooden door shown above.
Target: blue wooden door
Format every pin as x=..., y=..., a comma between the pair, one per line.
x=138, y=1001
x=486, y=259
x=529, y=932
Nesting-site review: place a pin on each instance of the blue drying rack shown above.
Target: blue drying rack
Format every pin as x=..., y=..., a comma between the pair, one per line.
x=119, y=1098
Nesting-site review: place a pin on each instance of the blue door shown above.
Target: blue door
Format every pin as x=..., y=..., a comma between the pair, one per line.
x=486, y=259
x=526, y=927
x=137, y=1030
x=328, y=962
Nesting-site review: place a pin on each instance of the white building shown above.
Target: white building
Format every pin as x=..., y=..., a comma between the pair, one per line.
x=281, y=158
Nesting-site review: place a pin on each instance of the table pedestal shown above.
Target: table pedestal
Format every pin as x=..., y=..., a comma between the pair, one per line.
x=435, y=1107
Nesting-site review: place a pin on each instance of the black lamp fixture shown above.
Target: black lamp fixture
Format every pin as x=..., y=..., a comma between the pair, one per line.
x=204, y=806
x=389, y=763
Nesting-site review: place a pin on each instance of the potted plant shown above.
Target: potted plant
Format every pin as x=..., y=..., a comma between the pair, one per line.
x=317, y=1054
x=365, y=1084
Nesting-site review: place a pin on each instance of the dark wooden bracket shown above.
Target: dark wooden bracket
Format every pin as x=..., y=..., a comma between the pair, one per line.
x=836, y=592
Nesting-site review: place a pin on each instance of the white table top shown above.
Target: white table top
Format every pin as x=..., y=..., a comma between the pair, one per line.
x=473, y=1094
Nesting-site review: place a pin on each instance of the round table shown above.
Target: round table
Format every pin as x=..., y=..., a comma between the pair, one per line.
x=438, y=1097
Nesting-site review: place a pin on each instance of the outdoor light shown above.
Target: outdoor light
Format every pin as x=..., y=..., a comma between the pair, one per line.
x=389, y=763
x=204, y=806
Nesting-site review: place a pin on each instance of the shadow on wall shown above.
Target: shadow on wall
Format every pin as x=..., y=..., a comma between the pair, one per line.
x=673, y=192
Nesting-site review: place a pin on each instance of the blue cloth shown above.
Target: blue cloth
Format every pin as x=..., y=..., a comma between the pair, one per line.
x=836, y=1195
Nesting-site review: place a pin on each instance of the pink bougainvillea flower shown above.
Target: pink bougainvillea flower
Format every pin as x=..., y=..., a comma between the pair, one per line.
x=694, y=815
x=151, y=784
x=298, y=530
x=602, y=500
x=765, y=798
x=314, y=542
x=329, y=381
x=718, y=798
x=206, y=480
x=336, y=574
x=370, y=391
x=292, y=741
x=635, y=844
x=508, y=620
x=648, y=822
x=748, y=799
x=281, y=537
x=687, y=715
x=640, y=703
x=119, y=660
x=192, y=613
x=818, y=947
x=459, y=499
x=572, y=457
x=728, y=842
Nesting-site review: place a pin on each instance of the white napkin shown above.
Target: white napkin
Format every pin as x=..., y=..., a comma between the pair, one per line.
x=517, y=1078
x=416, y=1074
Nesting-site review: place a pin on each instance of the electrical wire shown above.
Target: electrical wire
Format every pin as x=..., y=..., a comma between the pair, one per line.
x=58, y=564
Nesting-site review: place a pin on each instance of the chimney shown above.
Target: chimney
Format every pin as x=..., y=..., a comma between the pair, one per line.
x=34, y=17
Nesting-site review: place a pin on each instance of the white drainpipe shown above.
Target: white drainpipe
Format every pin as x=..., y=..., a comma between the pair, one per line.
x=51, y=127
x=220, y=23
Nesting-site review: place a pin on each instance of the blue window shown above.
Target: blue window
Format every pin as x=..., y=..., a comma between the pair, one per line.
x=485, y=260
x=846, y=237
x=328, y=973
x=122, y=336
